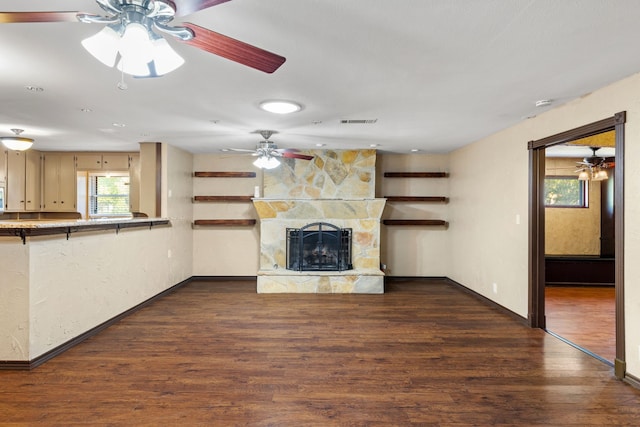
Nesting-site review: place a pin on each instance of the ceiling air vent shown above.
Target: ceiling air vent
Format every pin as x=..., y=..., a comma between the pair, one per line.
x=358, y=121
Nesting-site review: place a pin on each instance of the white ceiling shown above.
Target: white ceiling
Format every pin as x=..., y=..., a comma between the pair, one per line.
x=436, y=74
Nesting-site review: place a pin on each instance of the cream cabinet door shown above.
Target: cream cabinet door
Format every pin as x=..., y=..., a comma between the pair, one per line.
x=16, y=180
x=3, y=166
x=115, y=161
x=67, y=183
x=59, y=193
x=89, y=161
x=32, y=189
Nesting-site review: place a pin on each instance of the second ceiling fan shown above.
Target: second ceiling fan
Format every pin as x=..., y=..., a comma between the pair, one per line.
x=268, y=152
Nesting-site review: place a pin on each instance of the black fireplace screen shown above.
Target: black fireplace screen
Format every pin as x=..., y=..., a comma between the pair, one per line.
x=319, y=247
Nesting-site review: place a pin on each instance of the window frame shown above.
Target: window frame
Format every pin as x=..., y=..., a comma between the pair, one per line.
x=91, y=176
x=584, y=192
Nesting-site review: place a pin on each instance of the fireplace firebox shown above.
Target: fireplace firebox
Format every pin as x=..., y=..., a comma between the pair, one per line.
x=319, y=247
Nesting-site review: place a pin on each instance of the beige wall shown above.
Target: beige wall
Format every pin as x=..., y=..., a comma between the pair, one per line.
x=414, y=250
x=572, y=231
x=488, y=246
x=177, y=193
x=225, y=251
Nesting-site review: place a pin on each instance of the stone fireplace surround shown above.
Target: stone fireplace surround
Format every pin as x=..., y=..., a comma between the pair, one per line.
x=336, y=187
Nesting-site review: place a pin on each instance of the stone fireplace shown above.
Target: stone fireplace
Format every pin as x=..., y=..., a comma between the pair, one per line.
x=333, y=193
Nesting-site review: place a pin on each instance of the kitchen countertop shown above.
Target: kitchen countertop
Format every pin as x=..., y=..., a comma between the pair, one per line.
x=40, y=227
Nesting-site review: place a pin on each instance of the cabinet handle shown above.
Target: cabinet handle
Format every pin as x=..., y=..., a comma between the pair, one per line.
x=62, y=201
x=55, y=201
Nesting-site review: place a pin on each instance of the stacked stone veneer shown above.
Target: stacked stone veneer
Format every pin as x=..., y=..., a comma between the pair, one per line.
x=337, y=187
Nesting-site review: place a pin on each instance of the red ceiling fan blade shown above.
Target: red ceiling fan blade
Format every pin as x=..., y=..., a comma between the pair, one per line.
x=233, y=49
x=296, y=155
x=16, y=17
x=186, y=7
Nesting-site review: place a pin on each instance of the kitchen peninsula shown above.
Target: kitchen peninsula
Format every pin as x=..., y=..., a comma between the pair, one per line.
x=63, y=279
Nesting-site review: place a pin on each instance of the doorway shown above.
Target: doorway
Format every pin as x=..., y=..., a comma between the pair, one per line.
x=537, y=272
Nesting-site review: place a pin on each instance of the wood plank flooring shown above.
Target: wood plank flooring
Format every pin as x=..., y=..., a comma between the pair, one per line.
x=218, y=354
x=585, y=315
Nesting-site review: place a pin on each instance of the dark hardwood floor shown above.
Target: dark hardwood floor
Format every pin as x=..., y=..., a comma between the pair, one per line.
x=585, y=316
x=218, y=354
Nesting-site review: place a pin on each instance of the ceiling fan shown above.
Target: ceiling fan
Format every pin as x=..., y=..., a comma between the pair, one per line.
x=135, y=29
x=267, y=152
x=593, y=167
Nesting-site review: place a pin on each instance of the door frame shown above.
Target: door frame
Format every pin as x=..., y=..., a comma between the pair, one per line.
x=536, y=313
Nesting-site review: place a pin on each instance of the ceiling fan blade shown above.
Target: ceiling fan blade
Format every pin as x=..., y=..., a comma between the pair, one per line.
x=296, y=156
x=233, y=49
x=241, y=150
x=187, y=7
x=16, y=17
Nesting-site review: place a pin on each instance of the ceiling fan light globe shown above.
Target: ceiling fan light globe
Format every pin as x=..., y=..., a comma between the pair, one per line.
x=583, y=176
x=103, y=46
x=601, y=175
x=135, y=43
x=165, y=58
x=266, y=162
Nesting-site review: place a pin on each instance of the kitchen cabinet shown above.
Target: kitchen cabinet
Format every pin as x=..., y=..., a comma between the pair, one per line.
x=3, y=166
x=134, y=182
x=16, y=180
x=59, y=172
x=23, y=181
x=102, y=161
x=33, y=181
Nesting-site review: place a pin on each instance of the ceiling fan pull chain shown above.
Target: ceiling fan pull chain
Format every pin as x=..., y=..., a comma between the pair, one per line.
x=121, y=84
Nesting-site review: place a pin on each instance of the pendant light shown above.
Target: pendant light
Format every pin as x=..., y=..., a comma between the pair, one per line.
x=17, y=142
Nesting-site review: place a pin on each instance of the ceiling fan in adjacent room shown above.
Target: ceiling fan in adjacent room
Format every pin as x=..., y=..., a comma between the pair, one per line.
x=268, y=152
x=133, y=36
x=594, y=167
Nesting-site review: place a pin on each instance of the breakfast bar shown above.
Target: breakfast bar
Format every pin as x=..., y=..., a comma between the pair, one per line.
x=63, y=279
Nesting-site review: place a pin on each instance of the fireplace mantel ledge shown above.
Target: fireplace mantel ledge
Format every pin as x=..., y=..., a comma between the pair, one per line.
x=354, y=272
x=307, y=199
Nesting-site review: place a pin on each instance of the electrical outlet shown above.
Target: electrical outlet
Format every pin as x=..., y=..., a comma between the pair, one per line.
x=495, y=288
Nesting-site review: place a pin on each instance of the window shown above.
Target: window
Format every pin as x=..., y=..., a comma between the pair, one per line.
x=565, y=192
x=108, y=195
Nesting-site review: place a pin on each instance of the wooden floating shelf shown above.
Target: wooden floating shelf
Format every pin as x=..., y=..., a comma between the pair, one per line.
x=436, y=199
x=224, y=174
x=428, y=222
x=224, y=222
x=416, y=174
x=222, y=198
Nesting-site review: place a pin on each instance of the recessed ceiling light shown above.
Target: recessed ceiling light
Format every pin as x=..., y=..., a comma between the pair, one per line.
x=86, y=110
x=414, y=150
x=118, y=125
x=34, y=88
x=280, y=106
x=543, y=102
x=320, y=145
x=214, y=121
x=374, y=145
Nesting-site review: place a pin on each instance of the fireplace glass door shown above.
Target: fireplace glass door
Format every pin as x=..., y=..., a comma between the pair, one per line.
x=319, y=247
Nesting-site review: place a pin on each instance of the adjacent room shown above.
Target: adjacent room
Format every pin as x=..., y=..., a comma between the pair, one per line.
x=239, y=212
